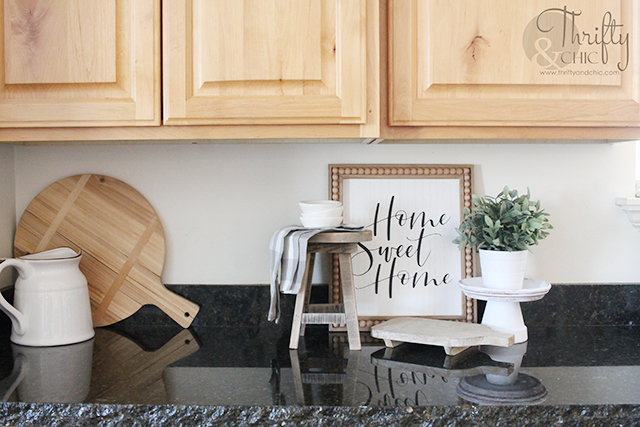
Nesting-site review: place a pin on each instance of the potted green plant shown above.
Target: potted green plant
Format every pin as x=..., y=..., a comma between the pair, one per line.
x=503, y=229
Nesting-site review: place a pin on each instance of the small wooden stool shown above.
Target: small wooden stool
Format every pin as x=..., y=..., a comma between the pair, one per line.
x=343, y=243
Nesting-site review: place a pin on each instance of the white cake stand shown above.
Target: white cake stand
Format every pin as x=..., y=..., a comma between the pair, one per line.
x=503, y=313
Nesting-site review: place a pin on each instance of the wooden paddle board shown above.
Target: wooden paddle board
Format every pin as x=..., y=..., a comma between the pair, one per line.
x=121, y=238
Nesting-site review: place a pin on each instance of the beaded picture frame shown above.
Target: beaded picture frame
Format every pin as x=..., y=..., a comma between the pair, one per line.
x=411, y=267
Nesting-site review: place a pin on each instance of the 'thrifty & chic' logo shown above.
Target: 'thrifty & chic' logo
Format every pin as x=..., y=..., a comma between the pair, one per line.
x=553, y=40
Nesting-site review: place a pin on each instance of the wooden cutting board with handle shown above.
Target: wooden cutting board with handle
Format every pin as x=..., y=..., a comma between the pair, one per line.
x=121, y=238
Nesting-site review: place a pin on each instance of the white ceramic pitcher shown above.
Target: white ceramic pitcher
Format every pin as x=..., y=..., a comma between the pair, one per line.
x=51, y=299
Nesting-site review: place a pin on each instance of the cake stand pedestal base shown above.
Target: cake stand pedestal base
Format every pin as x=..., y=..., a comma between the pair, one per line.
x=503, y=313
x=506, y=317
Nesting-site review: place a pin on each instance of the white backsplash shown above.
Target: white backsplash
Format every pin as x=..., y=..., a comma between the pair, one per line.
x=220, y=203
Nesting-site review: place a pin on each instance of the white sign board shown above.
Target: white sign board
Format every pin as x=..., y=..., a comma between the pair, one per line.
x=411, y=267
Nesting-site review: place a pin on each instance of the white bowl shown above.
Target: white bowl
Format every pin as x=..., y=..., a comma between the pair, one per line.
x=326, y=213
x=318, y=205
x=321, y=222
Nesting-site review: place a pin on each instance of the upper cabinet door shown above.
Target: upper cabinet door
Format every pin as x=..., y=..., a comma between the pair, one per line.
x=80, y=63
x=266, y=61
x=514, y=63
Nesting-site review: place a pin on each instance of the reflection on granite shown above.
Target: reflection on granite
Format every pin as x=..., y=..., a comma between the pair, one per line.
x=431, y=360
x=124, y=372
x=197, y=367
x=583, y=346
x=232, y=367
x=60, y=374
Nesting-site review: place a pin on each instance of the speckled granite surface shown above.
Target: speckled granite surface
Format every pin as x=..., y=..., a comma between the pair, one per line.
x=466, y=415
x=585, y=305
x=232, y=368
x=564, y=305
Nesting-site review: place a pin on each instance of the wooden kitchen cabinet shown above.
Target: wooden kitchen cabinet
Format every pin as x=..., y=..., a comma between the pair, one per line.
x=363, y=70
x=272, y=62
x=80, y=63
x=458, y=68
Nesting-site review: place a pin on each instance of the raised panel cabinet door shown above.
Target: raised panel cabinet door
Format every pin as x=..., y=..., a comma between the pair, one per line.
x=80, y=63
x=265, y=61
x=514, y=63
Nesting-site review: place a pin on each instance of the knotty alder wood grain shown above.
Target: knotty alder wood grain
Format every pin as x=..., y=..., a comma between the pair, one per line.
x=267, y=61
x=514, y=63
x=121, y=238
x=80, y=63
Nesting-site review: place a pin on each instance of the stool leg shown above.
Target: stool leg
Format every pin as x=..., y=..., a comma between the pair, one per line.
x=306, y=280
x=301, y=299
x=349, y=300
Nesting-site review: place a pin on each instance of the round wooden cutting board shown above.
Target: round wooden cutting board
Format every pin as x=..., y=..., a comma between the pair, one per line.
x=122, y=242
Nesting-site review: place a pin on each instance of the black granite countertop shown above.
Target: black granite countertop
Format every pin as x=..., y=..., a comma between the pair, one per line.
x=580, y=366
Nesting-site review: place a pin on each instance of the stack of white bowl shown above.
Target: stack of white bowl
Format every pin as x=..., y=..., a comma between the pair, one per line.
x=321, y=213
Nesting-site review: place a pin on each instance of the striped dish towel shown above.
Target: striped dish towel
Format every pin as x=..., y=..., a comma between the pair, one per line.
x=287, y=258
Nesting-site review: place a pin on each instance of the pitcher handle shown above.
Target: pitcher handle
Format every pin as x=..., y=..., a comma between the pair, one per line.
x=18, y=320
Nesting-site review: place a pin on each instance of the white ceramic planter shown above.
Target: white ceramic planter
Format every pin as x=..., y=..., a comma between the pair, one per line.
x=502, y=269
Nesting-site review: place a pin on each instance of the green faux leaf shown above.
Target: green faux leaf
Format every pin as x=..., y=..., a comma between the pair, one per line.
x=488, y=220
x=535, y=224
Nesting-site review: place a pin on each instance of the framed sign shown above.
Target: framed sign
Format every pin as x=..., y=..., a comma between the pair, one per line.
x=411, y=267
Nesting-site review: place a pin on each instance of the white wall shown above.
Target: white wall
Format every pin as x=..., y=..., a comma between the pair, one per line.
x=7, y=210
x=220, y=203
x=637, y=168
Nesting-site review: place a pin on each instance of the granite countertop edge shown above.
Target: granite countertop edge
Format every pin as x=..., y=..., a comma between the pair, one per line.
x=58, y=414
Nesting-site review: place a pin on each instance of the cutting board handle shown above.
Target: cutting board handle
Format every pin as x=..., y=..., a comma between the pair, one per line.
x=175, y=306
